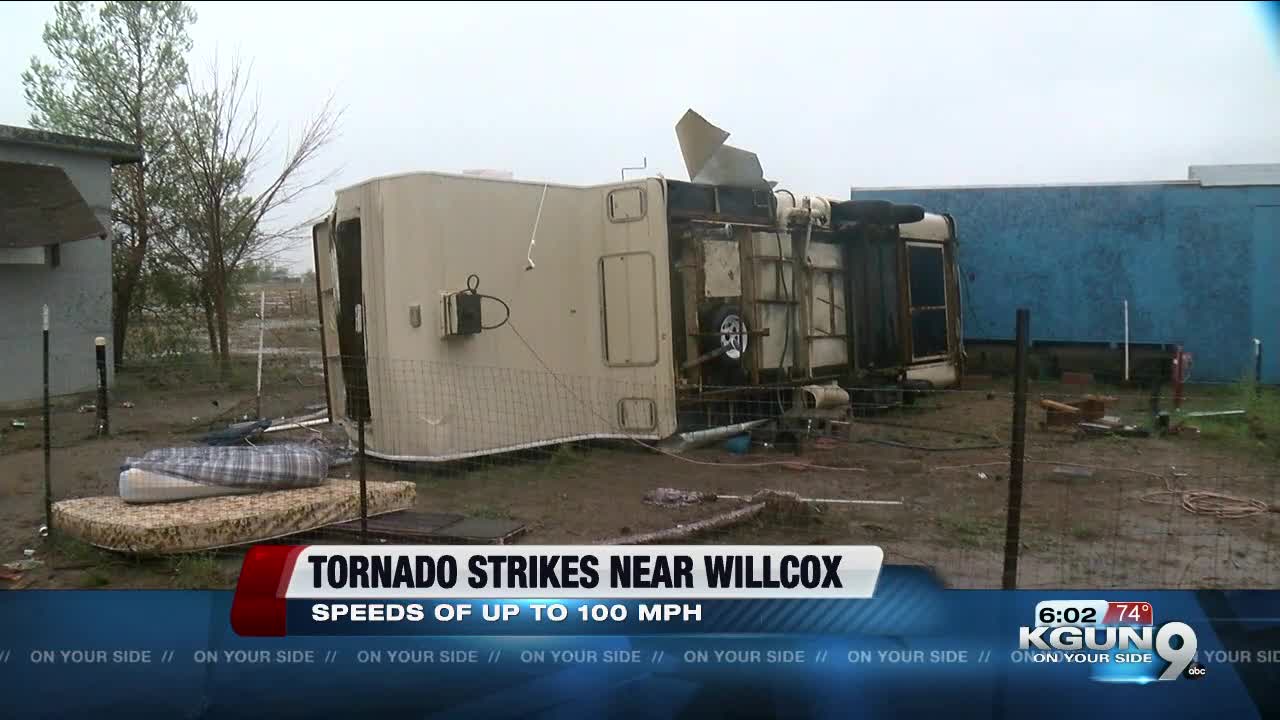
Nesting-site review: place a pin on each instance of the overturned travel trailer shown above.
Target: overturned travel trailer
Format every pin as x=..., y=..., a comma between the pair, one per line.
x=468, y=315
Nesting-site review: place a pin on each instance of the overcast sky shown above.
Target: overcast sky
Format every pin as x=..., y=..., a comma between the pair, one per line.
x=829, y=96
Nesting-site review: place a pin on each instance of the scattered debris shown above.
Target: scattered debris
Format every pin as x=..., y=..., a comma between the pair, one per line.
x=1072, y=471
x=317, y=417
x=672, y=496
x=25, y=564
x=1059, y=414
x=236, y=433
x=715, y=522
x=820, y=501
x=10, y=575
x=127, y=404
x=87, y=408
x=982, y=476
x=1215, y=413
x=1110, y=420
x=1132, y=431
x=1206, y=502
x=1091, y=408
x=1093, y=428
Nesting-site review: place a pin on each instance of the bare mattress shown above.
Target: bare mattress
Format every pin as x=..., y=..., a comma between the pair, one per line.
x=216, y=522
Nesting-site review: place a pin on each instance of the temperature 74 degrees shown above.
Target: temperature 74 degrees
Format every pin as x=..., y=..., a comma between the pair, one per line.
x=1128, y=613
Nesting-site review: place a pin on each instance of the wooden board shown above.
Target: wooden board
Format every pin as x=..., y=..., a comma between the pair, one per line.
x=406, y=527
x=425, y=528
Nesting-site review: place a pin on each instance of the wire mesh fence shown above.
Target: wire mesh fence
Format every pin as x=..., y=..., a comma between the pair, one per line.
x=1152, y=496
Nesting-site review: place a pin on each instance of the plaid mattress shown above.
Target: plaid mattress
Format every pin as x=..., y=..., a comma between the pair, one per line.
x=267, y=467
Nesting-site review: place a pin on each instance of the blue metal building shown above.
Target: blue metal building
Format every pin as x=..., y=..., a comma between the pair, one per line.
x=1198, y=261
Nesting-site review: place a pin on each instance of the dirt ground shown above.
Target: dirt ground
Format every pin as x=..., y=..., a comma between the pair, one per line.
x=1092, y=526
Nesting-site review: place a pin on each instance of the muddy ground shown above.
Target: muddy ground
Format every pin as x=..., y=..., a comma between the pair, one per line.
x=1098, y=527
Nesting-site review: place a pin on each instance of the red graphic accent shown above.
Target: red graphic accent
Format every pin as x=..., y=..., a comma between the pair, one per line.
x=258, y=608
x=1128, y=613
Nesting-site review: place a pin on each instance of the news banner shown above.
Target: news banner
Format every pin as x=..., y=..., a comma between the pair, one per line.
x=646, y=631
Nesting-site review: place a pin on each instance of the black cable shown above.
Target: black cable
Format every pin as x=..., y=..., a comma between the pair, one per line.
x=926, y=448
x=505, y=307
x=473, y=286
x=917, y=428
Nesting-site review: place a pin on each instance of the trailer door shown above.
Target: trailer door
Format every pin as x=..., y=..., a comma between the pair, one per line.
x=351, y=321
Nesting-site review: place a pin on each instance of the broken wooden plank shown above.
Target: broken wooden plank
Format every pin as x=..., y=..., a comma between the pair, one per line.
x=678, y=532
x=1059, y=407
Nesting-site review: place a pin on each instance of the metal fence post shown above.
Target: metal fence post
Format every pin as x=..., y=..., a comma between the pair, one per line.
x=364, y=497
x=1017, y=450
x=1257, y=367
x=262, y=328
x=100, y=352
x=48, y=470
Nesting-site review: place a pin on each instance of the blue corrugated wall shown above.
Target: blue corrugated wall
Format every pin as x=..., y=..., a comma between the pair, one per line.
x=1200, y=266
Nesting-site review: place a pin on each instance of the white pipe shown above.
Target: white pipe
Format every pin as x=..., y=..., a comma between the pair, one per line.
x=296, y=425
x=534, y=236
x=803, y=267
x=1126, y=340
x=831, y=501
x=262, y=327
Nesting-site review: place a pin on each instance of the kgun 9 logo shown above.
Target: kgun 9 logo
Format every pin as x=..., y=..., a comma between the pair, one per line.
x=1072, y=639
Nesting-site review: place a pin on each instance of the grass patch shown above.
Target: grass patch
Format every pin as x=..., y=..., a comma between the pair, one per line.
x=199, y=369
x=198, y=571
x=95, y=579
x=64, y=550
x=969, y=531
x=1258, y=430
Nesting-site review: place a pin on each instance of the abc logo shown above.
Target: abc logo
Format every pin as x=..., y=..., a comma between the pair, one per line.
x=1194, y=671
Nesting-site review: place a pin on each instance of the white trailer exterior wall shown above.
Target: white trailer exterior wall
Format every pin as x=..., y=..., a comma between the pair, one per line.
x=594, y=311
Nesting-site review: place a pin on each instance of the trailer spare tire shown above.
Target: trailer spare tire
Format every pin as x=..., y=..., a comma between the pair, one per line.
x=907, y=214
x=730, y=334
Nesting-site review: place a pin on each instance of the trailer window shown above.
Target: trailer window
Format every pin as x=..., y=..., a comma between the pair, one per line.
x=626, y=204
x=926, y=269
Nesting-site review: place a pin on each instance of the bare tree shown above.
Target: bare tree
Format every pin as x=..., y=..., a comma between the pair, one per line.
x=230, y=191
